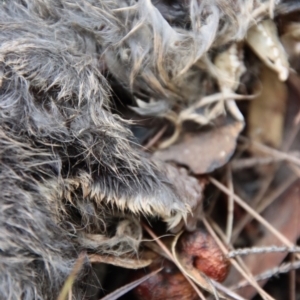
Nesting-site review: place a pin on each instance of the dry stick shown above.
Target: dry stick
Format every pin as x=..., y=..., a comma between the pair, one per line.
x=128, y=287
x=251, y=211
x=284, y=268
x=241, y=263
x=262, y=250
x=248, y=277
x=167, y=251
x=270, y=199
x=230, y=206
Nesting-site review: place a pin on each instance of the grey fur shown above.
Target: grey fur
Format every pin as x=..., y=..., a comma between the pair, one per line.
x=67, y=165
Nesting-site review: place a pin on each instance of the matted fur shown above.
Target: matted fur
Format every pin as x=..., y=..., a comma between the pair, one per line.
x=67, y=166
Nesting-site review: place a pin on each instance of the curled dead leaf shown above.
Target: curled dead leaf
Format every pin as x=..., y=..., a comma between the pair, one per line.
x=269, y=105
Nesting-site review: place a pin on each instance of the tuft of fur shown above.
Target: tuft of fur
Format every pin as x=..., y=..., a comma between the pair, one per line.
x=68, y=167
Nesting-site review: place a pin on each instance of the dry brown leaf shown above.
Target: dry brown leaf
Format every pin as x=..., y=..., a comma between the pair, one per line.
x=205, y=151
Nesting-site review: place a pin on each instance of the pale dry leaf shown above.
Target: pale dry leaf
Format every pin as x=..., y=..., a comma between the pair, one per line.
x=270, y=106
x=264, y=41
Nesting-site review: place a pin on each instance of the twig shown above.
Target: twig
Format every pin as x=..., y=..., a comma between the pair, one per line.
x=230, y=206
x=261, y=250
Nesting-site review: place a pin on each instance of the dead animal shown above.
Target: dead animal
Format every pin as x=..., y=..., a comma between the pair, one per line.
x=69, y=167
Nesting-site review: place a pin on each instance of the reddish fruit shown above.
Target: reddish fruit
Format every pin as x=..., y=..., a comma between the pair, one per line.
x=168, y=284
x=204, y=254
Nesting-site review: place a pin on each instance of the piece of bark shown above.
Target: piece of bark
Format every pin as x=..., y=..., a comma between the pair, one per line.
x=204, y=151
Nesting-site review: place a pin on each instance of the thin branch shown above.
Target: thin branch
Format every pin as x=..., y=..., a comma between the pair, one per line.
x=284, y=268
x=230, y=206
x=261, y=250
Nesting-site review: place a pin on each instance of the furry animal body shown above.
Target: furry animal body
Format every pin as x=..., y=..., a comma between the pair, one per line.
x=68, y=165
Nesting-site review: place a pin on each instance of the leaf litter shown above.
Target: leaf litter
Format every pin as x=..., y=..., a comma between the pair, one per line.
x=244, y=152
